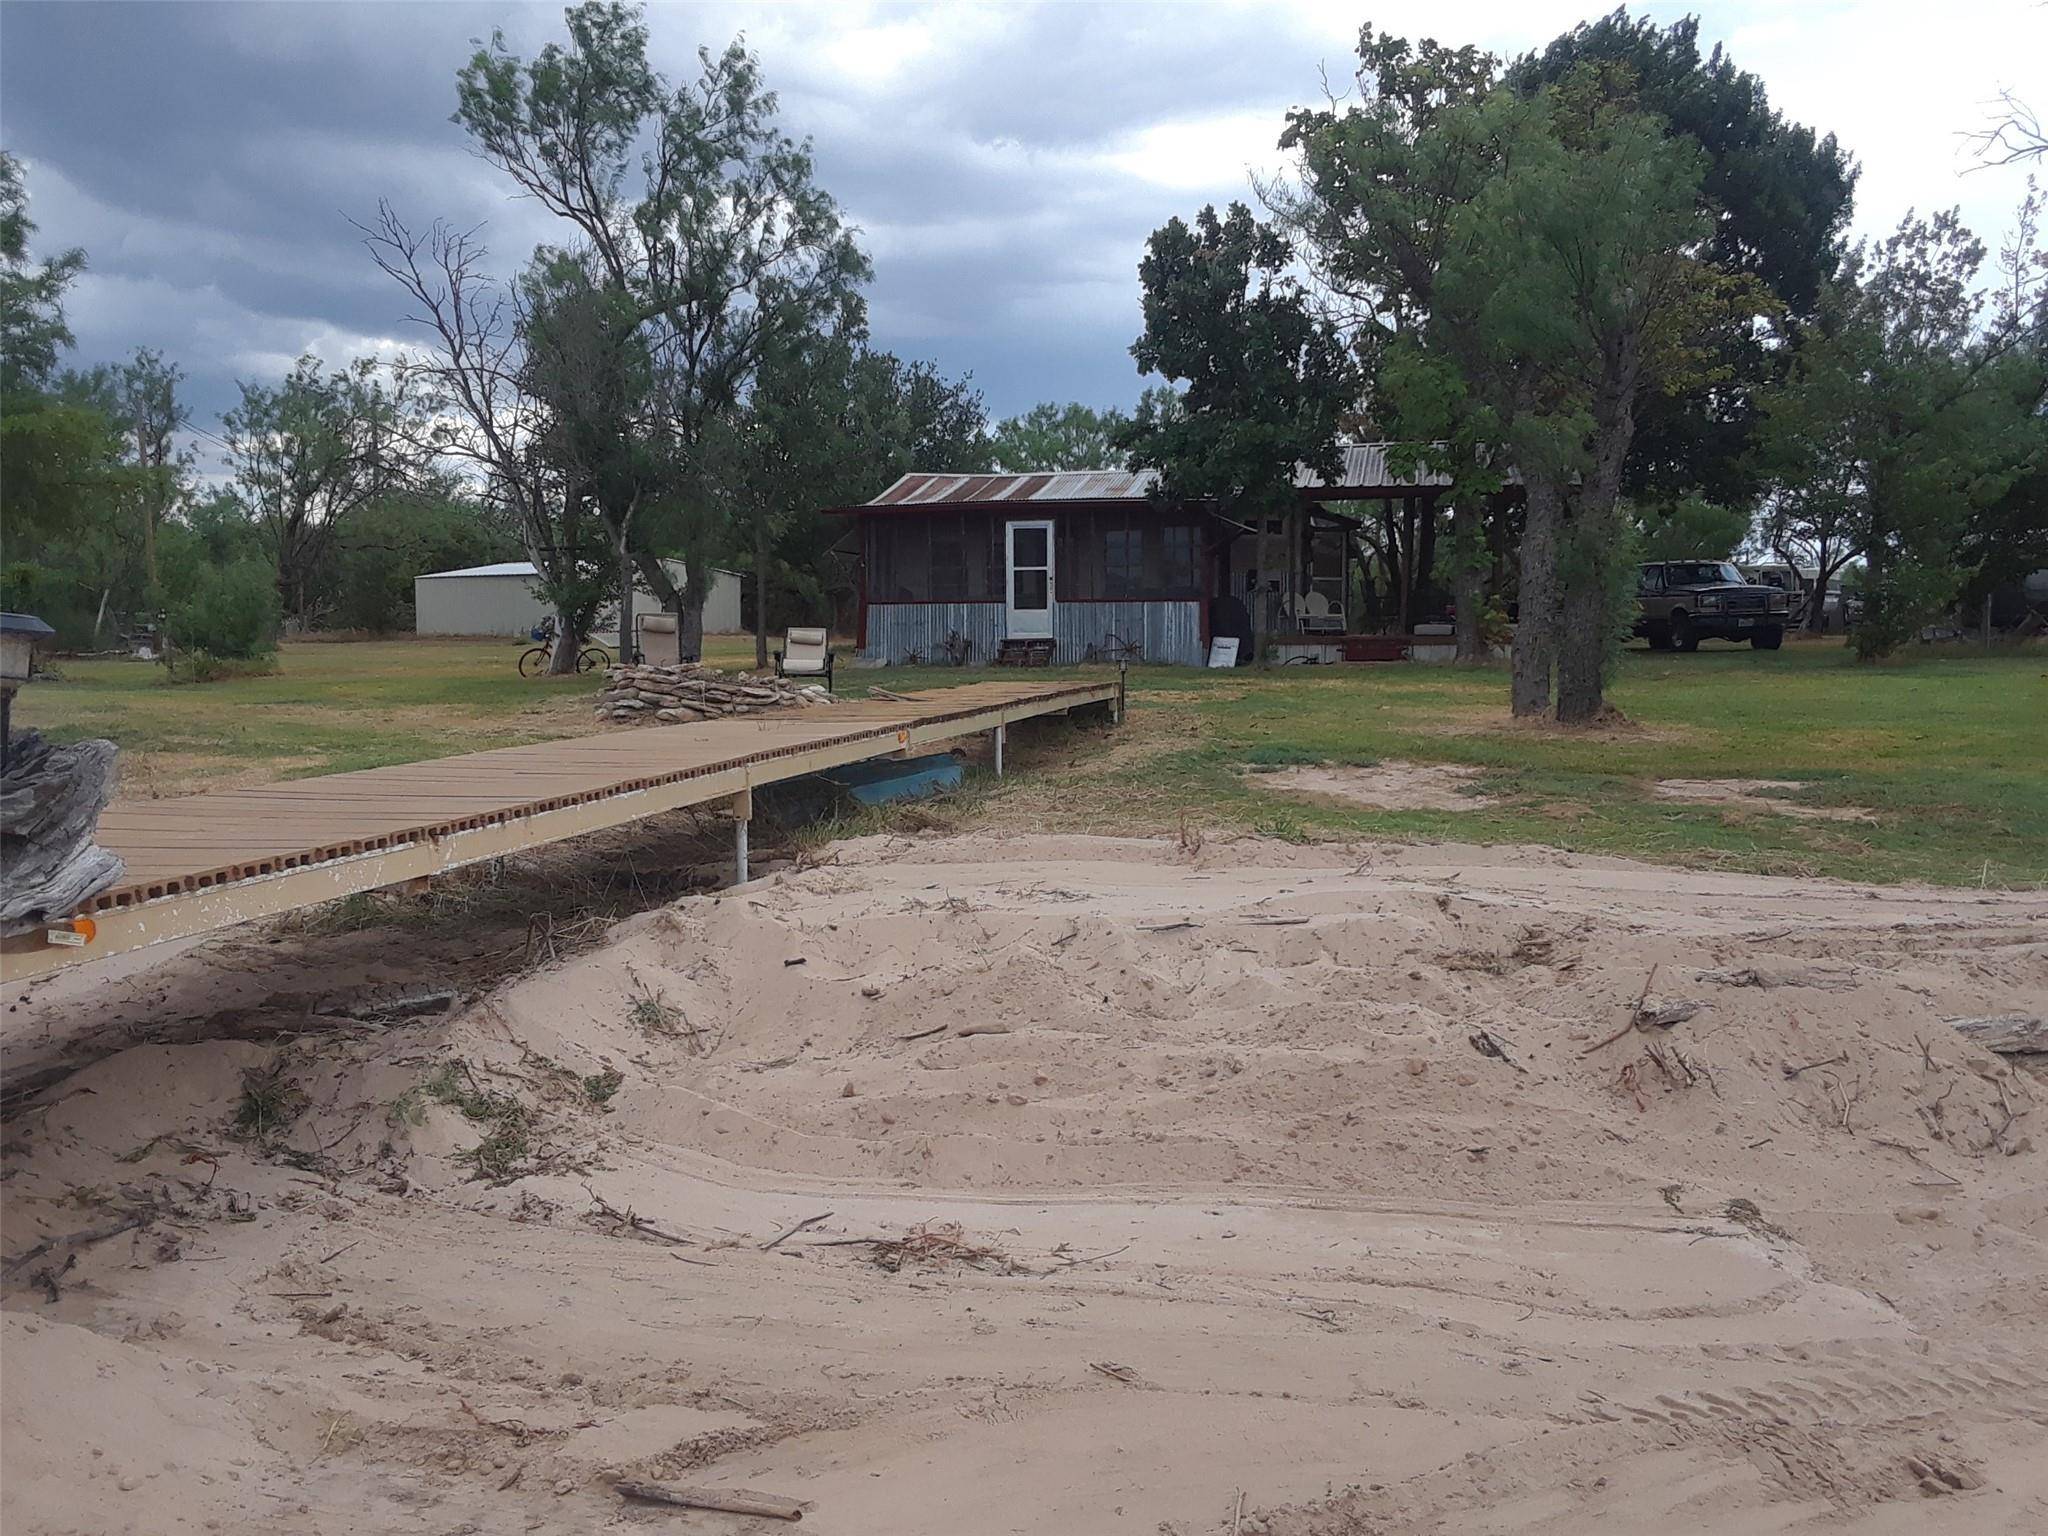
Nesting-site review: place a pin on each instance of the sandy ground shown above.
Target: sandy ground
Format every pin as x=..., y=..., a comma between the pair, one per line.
x=1237, y=1206
x=1391, y=785
x=1758, y=795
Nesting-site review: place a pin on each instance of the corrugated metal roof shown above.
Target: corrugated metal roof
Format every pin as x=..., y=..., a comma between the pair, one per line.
x=526, y=568
x=502, y=568
x=923, y=489
x=1365, y=468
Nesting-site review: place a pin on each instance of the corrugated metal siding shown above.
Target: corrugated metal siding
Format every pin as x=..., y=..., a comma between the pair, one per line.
x=509, y=605
x=1169, y=632
x=896, y=631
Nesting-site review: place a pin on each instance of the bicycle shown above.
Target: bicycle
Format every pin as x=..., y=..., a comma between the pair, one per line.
x=538, y=660
x=1114, y=647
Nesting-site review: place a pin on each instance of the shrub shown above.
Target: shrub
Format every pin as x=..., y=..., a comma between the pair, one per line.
x=230, y=613
x=205, y=667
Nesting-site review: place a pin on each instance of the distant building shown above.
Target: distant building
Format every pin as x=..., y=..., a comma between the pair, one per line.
x=502, y=600
x=1092, y=565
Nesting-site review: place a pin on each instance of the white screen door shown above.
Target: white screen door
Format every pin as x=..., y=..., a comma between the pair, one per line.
x=1028, y=601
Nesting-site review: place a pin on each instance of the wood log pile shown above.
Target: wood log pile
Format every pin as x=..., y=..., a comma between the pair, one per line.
x=677, y=694
x=50, y=804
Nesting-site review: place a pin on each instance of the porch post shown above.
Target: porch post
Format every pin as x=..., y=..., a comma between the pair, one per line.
x=742, y=815
x=999, y=733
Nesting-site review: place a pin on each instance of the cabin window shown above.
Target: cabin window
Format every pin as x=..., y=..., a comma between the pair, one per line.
x=936, y=557
x=1129, y=555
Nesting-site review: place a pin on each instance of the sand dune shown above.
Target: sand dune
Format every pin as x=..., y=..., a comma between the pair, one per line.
x=1294, y=1173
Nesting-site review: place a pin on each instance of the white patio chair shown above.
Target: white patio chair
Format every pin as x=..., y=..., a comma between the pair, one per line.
x=806, y=653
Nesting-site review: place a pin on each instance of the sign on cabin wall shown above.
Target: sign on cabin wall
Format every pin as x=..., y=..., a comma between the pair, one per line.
x=1223, y=651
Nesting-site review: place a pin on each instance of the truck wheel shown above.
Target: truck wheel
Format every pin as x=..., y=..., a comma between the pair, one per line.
x=1683, y=636
x=1768, y=639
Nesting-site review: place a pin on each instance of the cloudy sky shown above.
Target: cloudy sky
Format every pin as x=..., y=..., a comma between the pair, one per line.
x=1005, y=162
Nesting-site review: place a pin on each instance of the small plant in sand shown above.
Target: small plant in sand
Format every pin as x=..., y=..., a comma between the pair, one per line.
x=651, y=1012
x=270, y=1101
x=508, y=1137
x=1282, y=826
x=600, y=1087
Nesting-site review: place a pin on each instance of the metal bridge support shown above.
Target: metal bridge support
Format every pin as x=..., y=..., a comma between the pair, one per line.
x=1001, y=735
x=742, y=816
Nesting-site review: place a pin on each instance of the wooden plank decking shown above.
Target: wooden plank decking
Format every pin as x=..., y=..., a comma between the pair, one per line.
x=199, y=862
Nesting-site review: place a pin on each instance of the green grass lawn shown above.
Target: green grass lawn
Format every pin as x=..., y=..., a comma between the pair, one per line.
x=1947, y=749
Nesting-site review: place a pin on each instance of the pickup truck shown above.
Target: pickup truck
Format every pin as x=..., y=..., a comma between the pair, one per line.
x=1682, y=602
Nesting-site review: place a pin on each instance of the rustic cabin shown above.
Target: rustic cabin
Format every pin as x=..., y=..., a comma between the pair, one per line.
x=1088, y=565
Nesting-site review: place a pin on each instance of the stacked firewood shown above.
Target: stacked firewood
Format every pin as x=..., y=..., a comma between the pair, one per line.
x=674, y=695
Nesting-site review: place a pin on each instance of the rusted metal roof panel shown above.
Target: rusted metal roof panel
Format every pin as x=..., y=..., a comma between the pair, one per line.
x=1364, y=468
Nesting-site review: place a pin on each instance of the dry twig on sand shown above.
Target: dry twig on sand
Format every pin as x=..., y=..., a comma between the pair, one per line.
x=603, y=1211
x=784, y=1236
x=1634, y=1013
x=930, y=1245
x=1486, y=1043
x=730, y=1501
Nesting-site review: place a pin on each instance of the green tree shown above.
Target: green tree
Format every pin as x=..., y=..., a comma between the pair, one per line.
x=1378, y=183
x=1778, y=197
x=1904, y=420
x=1266, y=379
x=480, y=420
x=1050, y=436
x=776, y=455
x=588, y=361
x=229, y=613
x=396, y=539
x=59, y=458
x=944, y=422
x=693, y=206
x=309, y=454
x=1573, y=292
x=33, y=332
x=150, y=416
x=1688, y=528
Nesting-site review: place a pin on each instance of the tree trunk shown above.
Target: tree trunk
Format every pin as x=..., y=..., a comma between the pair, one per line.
x=1536, y=623
x=562, y=659
x=760, y=594
x=690, y=621
x=1469, y=592
x=625, y=598
x=1260, y=605
x=1588, y=576
x=686, y=601
x=1425, y=544
x=1583, y=619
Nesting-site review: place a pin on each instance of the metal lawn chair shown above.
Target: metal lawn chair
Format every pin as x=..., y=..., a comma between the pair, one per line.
x=806, y=653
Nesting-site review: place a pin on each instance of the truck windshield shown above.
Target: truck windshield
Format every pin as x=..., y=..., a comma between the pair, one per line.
x=1701, y=574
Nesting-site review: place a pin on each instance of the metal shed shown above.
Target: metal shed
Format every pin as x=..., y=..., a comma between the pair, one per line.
x=501, y=600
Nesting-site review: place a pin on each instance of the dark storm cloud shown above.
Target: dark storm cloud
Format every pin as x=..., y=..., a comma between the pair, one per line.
x=209, y=158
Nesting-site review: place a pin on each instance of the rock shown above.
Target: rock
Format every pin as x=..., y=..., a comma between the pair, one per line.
x=1417, y=1066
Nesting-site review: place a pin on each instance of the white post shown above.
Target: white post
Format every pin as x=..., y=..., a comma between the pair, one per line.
x=999, y=735
x=742, y=817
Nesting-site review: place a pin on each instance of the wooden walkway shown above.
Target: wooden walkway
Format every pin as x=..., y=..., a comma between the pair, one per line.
x=200, y=862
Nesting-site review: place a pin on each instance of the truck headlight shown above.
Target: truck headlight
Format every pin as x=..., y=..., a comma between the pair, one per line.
x=1709, y=600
